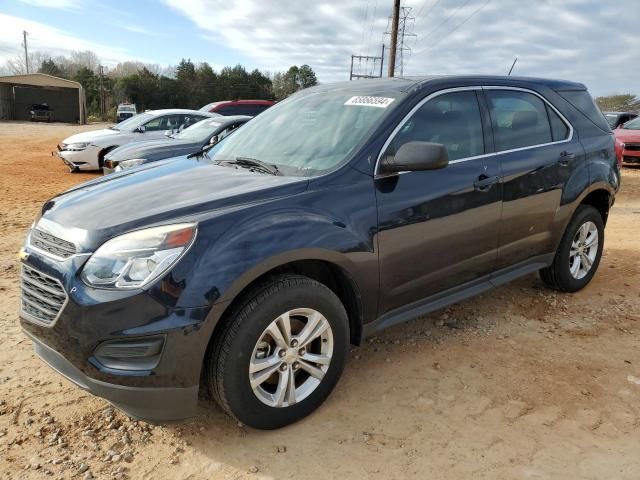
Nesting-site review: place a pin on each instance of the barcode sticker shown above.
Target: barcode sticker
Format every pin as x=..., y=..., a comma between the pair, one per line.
x=380, y=102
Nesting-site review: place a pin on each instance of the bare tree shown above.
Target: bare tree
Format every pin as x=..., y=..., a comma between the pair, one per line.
x=17, y=66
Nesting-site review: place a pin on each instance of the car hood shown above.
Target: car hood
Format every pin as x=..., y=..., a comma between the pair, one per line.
x=153, y=149
x=162, y=192
x=627, y=135
x=91, y=136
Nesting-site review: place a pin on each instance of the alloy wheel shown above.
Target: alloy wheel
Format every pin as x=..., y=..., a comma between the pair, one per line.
x=584, y=249
x=291, y=357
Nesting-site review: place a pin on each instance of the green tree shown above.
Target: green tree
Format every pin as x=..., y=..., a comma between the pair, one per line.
x=294, y=79
x=619, y=102
x=49, y=67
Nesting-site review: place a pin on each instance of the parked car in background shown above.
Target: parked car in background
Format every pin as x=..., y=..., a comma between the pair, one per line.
x=615, y=119
x=86, y=151
x=345, y=209
x=238, y=107
x=125, y=110
x=190, y=140
x=628, y=142
x=40, y=112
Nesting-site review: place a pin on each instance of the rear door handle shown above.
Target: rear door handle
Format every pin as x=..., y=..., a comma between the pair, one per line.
x=484, y=182
x=565, y=158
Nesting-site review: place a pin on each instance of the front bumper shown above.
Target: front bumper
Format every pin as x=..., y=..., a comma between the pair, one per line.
x=152, y=404
x=90, y=318
x=86, y=159
x=631, y=157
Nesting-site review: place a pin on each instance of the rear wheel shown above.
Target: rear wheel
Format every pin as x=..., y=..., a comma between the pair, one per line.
x=280, y=354
x=579, y=253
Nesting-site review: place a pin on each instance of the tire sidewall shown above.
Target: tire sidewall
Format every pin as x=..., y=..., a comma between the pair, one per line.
x=583, y=215
x=239, y=396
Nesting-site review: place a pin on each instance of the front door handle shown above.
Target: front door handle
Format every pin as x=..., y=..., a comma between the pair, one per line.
x=565, y=158
x=484, y=182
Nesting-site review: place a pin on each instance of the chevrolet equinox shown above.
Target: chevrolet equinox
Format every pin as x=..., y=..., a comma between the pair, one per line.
x=248, y=269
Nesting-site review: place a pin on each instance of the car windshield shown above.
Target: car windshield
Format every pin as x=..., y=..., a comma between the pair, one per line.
x=39, y=106
x=632, y=125
x=199, y=132
x=126, y=109
x=307, y=134
x=130, y=124
x=612, y=119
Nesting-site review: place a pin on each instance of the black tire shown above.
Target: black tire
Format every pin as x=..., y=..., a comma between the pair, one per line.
x=229, y=355
x=558, y=276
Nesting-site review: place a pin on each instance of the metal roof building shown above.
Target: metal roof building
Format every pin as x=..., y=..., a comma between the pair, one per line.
x=66, y=98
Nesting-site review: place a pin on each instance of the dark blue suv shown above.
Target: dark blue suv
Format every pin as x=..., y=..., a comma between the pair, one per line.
x=248, y=269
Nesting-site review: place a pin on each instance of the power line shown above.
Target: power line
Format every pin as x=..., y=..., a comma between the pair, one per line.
x=457, y=26
x=431, y=34
x=431, y=8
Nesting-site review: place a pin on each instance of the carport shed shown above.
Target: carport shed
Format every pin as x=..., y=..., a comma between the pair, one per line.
x=66, y=98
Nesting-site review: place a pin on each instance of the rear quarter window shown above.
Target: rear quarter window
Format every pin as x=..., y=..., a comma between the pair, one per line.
x=583, y=102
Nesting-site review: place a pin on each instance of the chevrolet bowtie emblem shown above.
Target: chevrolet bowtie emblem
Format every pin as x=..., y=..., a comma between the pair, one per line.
x=23, y=255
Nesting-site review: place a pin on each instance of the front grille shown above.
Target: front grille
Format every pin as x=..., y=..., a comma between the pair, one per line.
x=51, y=244
x=632, y=147
x=42, y=296
x=627, y=159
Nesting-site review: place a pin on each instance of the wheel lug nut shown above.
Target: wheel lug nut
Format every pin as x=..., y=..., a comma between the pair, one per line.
x=302, y=352
x=294, y=343
x=282, y=353
x=296, y=366
x=283, y=367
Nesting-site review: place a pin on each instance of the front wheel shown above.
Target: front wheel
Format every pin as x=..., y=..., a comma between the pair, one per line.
x=280, y=353
x=579, y=253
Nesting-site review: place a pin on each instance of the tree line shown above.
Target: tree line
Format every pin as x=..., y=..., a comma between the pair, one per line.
x=150, y=86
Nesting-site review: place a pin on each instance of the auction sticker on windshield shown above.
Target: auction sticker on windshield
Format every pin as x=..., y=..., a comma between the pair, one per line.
x=380, y=102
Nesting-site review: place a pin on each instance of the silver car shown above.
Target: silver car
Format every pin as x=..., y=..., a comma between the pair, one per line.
x=86, y=150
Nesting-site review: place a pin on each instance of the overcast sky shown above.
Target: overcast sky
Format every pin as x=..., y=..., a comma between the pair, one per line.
x=592, y=41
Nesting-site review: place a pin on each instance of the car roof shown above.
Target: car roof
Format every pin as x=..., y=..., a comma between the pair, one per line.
x=407, y=84
x=239, y=102
x=168, y=111
x=224, y=120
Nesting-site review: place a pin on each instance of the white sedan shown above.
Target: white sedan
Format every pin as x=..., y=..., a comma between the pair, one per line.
x=86, y=151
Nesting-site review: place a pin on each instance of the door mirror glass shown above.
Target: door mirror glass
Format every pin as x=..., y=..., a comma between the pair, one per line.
x=213, y=140
x=415, y=156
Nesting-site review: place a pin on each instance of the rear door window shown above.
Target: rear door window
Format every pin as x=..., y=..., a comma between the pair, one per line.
x=559, y=129
x=519, y=119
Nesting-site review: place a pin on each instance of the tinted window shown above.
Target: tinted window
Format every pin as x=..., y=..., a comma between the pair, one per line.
x=452, y=119
x=165, y=122
x=559, y=129
x=519, y=119
x=583, y=102
x=230, y=110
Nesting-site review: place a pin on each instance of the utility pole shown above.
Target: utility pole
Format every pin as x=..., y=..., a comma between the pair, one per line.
x=394, y=37
x=26, y=50
x=102, y=95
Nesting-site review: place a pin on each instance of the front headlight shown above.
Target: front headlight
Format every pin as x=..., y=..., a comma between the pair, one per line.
x=76, y=147
x=135, y=259
x=134, y=162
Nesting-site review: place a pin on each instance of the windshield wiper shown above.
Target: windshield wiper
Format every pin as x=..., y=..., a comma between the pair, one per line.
x=202, y=151
x=253, y=163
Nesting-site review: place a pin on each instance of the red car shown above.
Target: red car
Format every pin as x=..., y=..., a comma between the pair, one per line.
x=238, y=107
x=628, y=142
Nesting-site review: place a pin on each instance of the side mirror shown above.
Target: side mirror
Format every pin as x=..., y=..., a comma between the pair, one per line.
x=213, y=140
x=168, y=133
x=140, y=129
x=415, y=156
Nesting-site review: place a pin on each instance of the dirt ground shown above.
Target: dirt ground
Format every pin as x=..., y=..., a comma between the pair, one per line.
x=518, y=383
